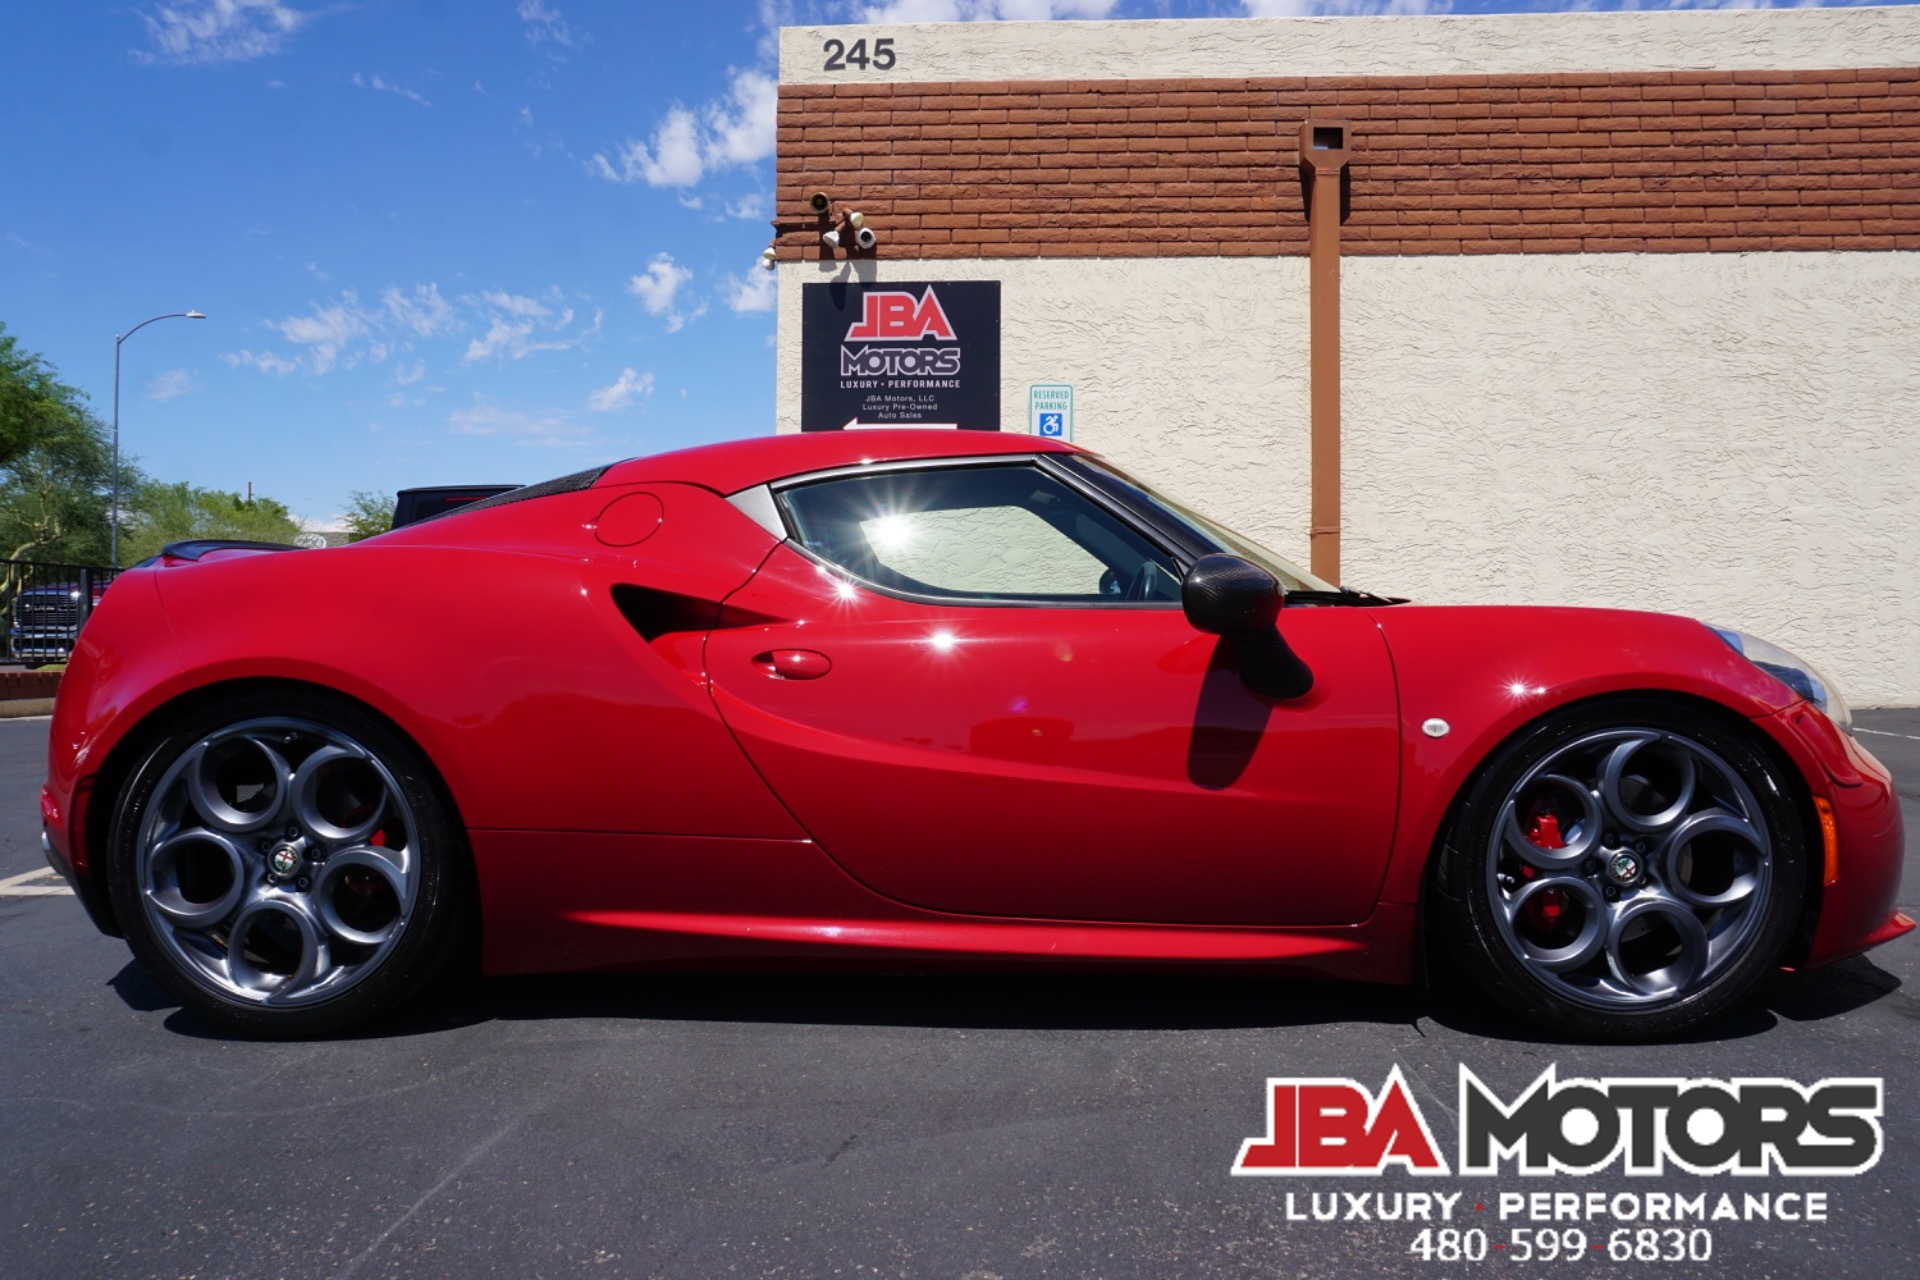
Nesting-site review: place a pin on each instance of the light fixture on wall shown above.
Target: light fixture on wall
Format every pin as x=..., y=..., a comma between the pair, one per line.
x=842, y=229
x=769, y=257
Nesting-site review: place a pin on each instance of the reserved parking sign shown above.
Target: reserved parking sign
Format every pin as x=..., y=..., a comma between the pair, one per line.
x=1050, y=410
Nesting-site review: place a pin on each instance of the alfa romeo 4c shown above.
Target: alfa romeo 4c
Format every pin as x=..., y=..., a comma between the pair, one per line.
x=899, y=697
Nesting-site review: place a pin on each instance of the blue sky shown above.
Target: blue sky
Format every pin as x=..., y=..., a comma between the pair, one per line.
x=439, y=241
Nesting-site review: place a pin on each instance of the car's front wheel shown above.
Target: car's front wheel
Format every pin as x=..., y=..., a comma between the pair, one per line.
x=286, y=866
x=1624, y=870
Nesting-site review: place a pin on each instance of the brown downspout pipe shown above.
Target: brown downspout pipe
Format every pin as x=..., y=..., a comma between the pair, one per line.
x=1323, y=153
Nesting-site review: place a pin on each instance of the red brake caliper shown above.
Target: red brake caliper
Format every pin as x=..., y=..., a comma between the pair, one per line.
x=1545, y=908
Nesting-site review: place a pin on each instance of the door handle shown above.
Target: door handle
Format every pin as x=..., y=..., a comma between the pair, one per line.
x=793, y=664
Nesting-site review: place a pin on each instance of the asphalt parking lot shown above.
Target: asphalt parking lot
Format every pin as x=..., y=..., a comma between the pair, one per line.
x=827, y=1125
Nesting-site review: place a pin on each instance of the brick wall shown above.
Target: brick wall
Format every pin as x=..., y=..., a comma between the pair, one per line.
x=1662, y=162
x=28, y=684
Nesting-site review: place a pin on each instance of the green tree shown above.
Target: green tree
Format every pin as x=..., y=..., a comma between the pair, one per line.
x=163, y=513
x=34, y=403
x=56, y=465
x=56, y=481
x=368, y=514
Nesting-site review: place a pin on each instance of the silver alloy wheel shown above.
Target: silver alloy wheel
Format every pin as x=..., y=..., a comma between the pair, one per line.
x=278, y=863
x=1629, y=868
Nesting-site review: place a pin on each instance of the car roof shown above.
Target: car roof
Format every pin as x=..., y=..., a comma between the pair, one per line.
x=742, y=464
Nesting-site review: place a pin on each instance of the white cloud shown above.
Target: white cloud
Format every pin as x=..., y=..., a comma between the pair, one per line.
x=515, y=322
x=657, y=287
x=325, y=333
x=174, y=382
x=747, y=207
x=197, y=32
x=545, y=24
x=985, y=10
x=515, y=341
x=672, y=159
x=384, y=85
x=742, y=128
x=423, y=311
x=618, y=396
x=516, y=305
x=755, y=293
x=264, y=361
x=686, y=146
x=344, y=333
x=1354, y=8
x=485, y=418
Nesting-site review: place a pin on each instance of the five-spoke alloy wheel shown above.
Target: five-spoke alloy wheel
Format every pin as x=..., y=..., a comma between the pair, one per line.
x=286, y=867
x=1624, y=870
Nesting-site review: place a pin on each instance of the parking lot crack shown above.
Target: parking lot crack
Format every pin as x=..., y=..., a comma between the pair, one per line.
x=452, y=1174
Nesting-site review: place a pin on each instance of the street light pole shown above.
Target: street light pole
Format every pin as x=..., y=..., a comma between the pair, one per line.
x=118, y=338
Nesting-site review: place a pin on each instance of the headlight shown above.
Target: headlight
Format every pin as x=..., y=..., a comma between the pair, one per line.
x=1797, y=675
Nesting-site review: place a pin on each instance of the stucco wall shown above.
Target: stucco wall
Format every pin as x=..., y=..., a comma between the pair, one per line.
x=1785, y=40
x=1732, y=436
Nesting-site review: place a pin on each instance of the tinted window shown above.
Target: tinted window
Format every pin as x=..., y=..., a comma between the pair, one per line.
x=996, y=532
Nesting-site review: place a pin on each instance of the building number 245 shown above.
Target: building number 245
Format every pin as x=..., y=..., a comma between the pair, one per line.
x=840, y=57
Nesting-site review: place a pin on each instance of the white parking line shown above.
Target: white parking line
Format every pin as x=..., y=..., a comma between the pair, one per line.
x=20, y=887
x=1882, y=733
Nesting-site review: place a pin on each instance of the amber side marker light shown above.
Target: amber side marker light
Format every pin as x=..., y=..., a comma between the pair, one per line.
x=1829, y=839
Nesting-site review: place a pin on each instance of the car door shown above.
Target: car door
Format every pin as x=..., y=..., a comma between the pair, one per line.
x=973, y=684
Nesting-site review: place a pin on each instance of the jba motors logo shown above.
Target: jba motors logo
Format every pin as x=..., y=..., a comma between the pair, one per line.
x=1321, y=1127
x=896, y=316
x=1318, y=1127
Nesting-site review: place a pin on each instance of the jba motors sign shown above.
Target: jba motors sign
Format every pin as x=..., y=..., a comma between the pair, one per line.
x=921, y=354
x=1320, y=1127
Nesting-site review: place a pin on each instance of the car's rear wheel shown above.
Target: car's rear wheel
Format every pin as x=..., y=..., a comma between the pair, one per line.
x=1624, y=870
x=285, y=865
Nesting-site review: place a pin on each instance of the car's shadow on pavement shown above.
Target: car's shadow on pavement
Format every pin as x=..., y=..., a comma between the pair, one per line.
x=1085, y=1001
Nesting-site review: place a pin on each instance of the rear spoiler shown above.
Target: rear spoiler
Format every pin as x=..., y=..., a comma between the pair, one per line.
x=195, y=548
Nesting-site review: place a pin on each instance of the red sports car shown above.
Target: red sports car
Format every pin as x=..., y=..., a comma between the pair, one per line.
x=899, y=697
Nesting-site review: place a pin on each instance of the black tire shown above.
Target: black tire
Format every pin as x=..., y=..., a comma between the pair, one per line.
x=437, y=928
x=1479, y=910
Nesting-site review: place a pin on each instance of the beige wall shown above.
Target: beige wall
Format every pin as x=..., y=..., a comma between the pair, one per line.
x=1764, y=40
x=1731, y=436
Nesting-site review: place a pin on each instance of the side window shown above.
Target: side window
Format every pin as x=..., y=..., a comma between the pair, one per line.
x=991, y=532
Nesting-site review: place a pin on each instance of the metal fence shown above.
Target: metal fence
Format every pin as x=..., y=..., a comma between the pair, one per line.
x=46, y=605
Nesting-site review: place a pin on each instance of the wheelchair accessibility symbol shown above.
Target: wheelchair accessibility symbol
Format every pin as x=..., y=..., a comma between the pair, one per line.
x=1050, y=411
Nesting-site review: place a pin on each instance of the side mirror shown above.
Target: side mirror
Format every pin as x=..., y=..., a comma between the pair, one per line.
x=1240, y=602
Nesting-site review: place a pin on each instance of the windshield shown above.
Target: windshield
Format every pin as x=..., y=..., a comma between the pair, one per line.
x=1211, y=535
